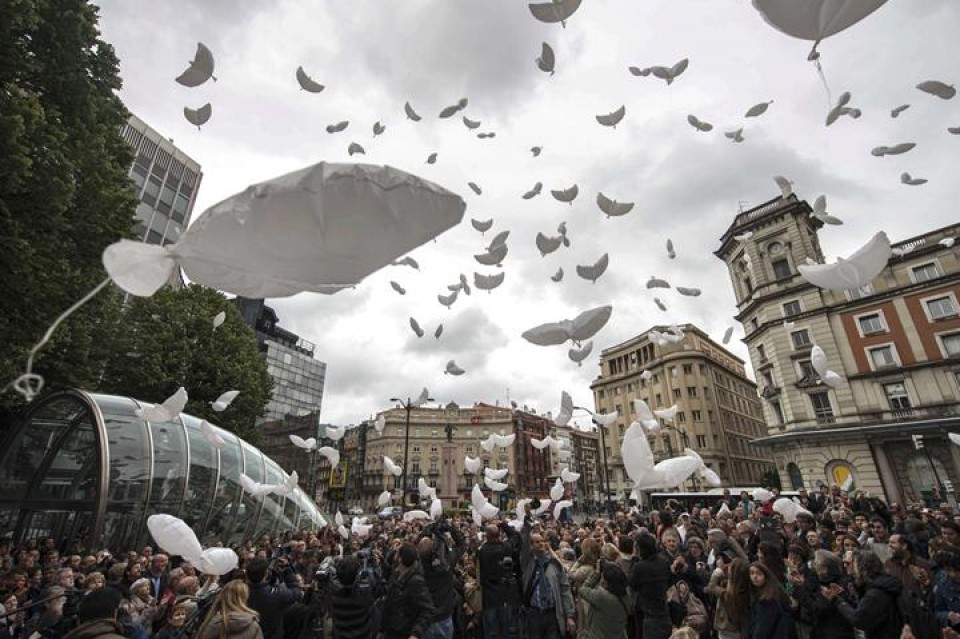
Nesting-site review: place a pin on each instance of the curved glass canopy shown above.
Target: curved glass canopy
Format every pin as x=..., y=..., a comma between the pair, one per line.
x=82, y=467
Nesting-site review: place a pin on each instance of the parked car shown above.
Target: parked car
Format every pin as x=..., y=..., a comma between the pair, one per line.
x=356, y=511
x=389, y=512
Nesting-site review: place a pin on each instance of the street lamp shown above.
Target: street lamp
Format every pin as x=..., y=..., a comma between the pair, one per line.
x=605, y=477
x=407, y=406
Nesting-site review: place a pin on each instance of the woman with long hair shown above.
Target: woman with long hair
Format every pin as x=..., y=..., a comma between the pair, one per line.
x=769, y=615
x=730, y=584
x=229, y=616
x=582, y=570
x=606, y=592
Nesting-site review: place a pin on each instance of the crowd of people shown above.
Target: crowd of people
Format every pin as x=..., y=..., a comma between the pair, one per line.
x=848, y=567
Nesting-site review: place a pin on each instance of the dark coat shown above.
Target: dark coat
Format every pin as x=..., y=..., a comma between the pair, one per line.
x=770, y=619
x=408, y=608
x=877, y=613
x=350, y=610
x=649, y=580
x=493, y=581
x=270, y=602
x=916, y=606
x=97, y=629
x=822, y=613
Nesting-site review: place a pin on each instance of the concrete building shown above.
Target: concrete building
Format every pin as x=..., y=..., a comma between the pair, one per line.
x=897, y=342
x=298, y=376
x=718, y=409
x=535, y=468
x=166, y=182
x=278, y=447
x=581, y=455
x=341, y=488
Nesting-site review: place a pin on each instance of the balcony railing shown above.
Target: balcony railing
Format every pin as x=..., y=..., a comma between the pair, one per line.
x=931, y=411
x=826, y=419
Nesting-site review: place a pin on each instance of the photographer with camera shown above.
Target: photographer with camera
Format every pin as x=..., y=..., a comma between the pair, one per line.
x=408, y=607
x=269, y=601
x=437, y=560
x=497, y=579
x=351, y=595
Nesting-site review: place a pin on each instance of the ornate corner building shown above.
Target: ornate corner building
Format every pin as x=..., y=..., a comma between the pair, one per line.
x=897, y=342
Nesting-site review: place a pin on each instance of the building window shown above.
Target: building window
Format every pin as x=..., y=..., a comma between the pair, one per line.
x=897, y=396
x=924, y=272
x=792, y=308
x=801, y=339
x=806, y=369
x=777, y=411
x=860, y=293
x=659, y=400
x=781, y=269
x=681, y=417
x=697, y=416
x=676, y=393
x=950, y=344
x=701, y=441
x=822, y=410
x=940, y=308
x=870, y=324
x=691, y=391
x=882, y=356
x=761, y=353
x=688, y=369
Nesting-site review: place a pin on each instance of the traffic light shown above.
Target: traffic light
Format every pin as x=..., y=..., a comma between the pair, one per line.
x=917, y=441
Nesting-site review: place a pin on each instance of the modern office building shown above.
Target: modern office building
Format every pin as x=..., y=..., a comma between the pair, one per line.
x=298, y=377
x=896, y=341
x=278, y=447
x=81, y=467
x=166, y=182
x=718, y=412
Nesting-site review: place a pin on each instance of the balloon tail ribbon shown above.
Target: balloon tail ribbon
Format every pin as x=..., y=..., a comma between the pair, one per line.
x=814, y=57
x=30, y=384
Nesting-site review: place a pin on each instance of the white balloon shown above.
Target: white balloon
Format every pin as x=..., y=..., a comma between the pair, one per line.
x=218, y=319
x=487, y=282
x=560, y=506
x=565, y=414
x=306, y=444
x=200, y=69
x=605, y=419
x=414, y=515
x=557, y=490
x=579, y=354
x=495, y=473
x=334, y=432
x=494, y=485
x=332, y=455
x=666, y=413
x=174, y=536
x=384, y=498
x=218, y=561
x=593, y=271
x=567, y=195
x=453, y=369
x=612, y=119
x=568, y=476
x=224, y=400
x=814, y=19
x=613, y=208
x=554, y=11
x=854, y=272
x=213, y=438
x=319, y=205
x=940, y=89
x=436, y=509
x=473, y=464
x=582, y=327
x=762, y=495
x=391, y=467
x=169, y=410
x=307, y=83
x=954, y=437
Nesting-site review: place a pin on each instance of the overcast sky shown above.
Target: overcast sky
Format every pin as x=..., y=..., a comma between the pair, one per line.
x=373, y=56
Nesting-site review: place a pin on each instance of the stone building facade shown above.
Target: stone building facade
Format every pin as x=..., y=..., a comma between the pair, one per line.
x=896, y=341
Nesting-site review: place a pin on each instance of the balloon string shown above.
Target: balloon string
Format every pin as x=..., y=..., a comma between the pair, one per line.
x=22, y=384
x=823, y=79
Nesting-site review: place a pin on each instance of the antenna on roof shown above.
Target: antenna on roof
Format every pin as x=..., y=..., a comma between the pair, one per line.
x=741, y=204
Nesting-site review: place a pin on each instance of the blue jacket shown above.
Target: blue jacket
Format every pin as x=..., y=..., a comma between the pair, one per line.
x=946, y=599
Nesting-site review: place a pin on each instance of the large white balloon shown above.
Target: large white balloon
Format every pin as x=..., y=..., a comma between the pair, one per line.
x=814, y=19
x=495, y=473
x=218, y=561
x=304, y=231
x=856, y=271
x=200, y=69
x=174, y=536
x=557, y=490
x=167, y=411
x=582, y=327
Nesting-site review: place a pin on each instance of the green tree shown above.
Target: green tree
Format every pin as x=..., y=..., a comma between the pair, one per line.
x=64, y=191
x=168, y=340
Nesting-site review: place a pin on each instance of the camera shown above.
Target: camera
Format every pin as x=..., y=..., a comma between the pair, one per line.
x=534, y=503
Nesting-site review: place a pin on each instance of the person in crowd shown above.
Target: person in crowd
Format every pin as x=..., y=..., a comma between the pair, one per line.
x=730, y=587
x=436, y=559
x=547, y=596
x=879, y=541
x=769, y=615
x=582, y=570
x=139, y=606
x=229, y=616
x=493, y=583
x=815, y=610
x=876, y=613
x=649, y=580
x=695, y=612
x=97, y=616
x=158, y=575
x=269, y=601
x=408, y=609
x=605, y=592
x=946, y=604
x=171, y=625
x=350, y=602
